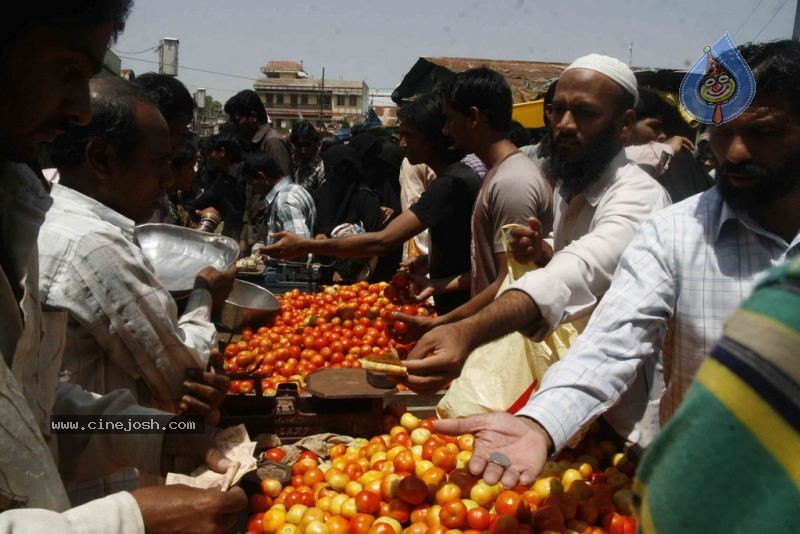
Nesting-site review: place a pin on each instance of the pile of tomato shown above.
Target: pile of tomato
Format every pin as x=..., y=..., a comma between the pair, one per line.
x=333, y=328
x=412, y=480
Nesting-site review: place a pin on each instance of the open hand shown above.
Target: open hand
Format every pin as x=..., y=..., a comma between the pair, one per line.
x=521, y=440
x=287, y=245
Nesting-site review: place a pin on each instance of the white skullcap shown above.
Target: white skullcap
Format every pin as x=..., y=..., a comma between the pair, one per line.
x=610, y=67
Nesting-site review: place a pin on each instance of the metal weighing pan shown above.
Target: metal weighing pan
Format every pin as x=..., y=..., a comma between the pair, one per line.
x=247, y=305
x=177, y=254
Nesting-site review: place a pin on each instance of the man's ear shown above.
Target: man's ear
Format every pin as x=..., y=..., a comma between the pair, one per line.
x=261, y=176
x=98, y=155
x=474, y=116
x=627, y=123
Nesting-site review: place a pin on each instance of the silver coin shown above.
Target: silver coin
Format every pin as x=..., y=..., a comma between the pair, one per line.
x=498, y=458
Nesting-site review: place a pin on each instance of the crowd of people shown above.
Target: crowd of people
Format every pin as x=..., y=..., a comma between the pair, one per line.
x=645, y=234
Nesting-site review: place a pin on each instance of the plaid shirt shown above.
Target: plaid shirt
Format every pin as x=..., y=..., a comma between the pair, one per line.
x=687, y=270
x=288, y=207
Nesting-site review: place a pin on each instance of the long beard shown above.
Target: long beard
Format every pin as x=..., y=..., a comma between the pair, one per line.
x=770, y=187
x=576, y=170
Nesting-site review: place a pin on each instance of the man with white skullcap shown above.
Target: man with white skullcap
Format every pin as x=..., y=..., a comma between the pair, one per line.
x=599, y=201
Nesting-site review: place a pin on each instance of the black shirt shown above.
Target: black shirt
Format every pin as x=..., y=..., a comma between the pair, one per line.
x=446, y=208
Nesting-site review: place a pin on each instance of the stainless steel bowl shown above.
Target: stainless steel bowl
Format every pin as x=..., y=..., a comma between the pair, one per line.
x=177, y=254
x=247, y=305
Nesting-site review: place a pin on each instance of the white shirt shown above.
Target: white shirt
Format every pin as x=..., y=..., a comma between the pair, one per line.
x=686, y=270
x=30, y=355
x=414, y=180
x=123, y=329
x=589, y=234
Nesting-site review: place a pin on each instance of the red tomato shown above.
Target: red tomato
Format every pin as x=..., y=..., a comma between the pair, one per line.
x=360, y=523
x=510, y=502
x=254, y=524
x=478, y=518
x=412, y=490
x=453, y=514
x=615, y=523
x=368, y=502
x=275, y=454
x=400, y=280
x=444, y=458
x=400, y=328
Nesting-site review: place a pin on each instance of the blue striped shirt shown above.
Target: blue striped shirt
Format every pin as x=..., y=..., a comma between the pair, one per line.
x=686, y=270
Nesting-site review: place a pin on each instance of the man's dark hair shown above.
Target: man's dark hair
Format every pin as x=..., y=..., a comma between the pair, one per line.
x=425, y=114
x=244, y=103
x=113, y=121
x=186, y=151
x=650, y=105
x=261, y=162
x=83, y=14
x=329, y=141
x=519, y=135
x=484, y=89
x=306, y=128
x=174, y=99
x=228, y=143
x=776, y=68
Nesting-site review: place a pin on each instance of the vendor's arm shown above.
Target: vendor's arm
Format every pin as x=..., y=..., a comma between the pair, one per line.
x=440, y=354
x=365, y=245
x=419, y=325
x=111, y=290
x=174, y=508
x=628, y=326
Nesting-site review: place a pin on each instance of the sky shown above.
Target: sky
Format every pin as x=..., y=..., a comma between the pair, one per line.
x=379, y=41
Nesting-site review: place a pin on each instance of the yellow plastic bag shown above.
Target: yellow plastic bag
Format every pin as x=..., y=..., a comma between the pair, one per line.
x=500, y=375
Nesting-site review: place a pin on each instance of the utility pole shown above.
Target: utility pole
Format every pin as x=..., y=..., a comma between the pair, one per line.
x=796, y=31
x=322, y=100
x=630, y=55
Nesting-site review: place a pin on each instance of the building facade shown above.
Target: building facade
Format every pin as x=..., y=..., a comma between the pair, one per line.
x=290, y=95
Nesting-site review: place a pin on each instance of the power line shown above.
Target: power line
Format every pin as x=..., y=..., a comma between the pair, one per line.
x=152, y=48
x=748, y=17
x=195, y=69
x=771, y=19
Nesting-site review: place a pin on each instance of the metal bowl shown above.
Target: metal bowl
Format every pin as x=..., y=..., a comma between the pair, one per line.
x=247, y=305
x=177, y=254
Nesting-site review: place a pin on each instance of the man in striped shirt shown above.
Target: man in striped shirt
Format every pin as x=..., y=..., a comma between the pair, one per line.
x=736, y=435
x=287, y=206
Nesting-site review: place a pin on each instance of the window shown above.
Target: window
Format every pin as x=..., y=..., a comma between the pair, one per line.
x=269, y=100
x=353, y=100
x=294, y=100
x=279, y=99
x=304, y=99
x=340, y=100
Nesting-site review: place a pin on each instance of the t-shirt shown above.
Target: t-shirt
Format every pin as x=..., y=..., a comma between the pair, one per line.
x=511, y=192
x=446, y=208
